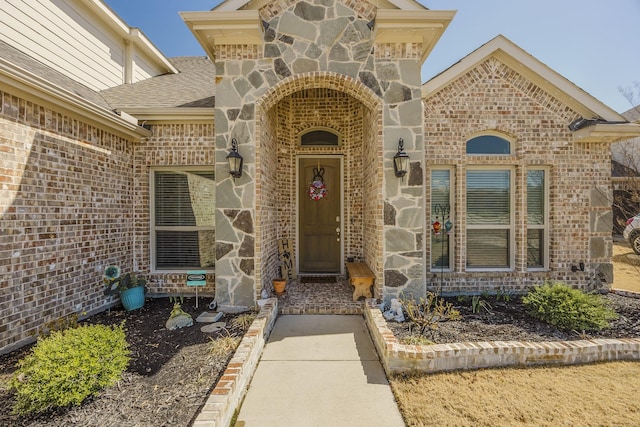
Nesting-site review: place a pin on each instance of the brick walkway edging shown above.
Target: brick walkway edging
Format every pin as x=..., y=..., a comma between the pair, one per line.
x=228, y=393
x=397, y=358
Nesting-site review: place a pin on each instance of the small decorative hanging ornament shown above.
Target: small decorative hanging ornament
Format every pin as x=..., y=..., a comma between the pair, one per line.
x=448, y=226
x=317, y=189
x=436, y=227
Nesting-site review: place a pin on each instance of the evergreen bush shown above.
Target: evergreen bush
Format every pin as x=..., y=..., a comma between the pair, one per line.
x=68, y=366
x=568, y=308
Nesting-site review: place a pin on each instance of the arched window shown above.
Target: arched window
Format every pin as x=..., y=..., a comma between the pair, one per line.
x=488, y=145
x=319, y=137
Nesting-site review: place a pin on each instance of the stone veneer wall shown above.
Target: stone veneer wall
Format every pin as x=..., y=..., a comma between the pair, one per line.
x=66, y=212
x=313, y=46
x=171, y=144
x=493, y=97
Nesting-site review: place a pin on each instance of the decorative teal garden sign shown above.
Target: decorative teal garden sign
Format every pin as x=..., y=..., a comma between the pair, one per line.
x=196, y=278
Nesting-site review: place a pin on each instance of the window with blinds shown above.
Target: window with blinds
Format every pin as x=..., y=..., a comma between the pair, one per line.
x=183, y=219
x=440, y=203
x=489, y=219
x=536, y=219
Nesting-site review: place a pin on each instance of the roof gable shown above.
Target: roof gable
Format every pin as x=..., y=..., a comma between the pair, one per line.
x=237, y=23
x=531, y=68
x=231, y=5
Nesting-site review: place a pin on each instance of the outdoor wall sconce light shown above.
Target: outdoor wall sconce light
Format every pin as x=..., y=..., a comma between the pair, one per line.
x=235, y=160
x=401, y=160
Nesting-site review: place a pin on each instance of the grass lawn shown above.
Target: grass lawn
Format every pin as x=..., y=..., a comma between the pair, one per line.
x=626, y=267
x=604, y=394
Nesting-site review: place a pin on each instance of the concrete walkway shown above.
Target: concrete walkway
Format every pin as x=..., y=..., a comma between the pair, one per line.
x=319, y=370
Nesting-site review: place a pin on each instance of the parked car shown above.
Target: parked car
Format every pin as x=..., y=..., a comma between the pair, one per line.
x=632, y=233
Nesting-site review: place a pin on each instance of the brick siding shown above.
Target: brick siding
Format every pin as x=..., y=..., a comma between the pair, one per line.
x=67, y=212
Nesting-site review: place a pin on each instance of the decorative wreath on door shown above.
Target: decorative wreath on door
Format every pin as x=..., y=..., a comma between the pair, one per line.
x=317, y=189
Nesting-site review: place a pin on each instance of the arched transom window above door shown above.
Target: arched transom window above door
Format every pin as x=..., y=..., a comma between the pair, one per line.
x=319, y=137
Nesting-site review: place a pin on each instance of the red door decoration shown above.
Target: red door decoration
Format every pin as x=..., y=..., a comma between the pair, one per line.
x=317, y=189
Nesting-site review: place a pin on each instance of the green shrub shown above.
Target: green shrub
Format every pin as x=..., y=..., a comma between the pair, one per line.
x=68, y=366
x=567, y=308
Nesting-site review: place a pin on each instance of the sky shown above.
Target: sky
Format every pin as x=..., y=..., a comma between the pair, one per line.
x=595, y=44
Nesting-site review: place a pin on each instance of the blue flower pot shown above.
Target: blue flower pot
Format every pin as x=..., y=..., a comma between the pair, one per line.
x=133, y=298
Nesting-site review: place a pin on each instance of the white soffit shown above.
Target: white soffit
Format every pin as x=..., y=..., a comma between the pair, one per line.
x=607, y=132
x=412, y=26
x=224, y=27
x=528, y=66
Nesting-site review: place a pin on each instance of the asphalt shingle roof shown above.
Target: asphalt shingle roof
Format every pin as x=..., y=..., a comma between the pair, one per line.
x=37, y=68
x=193, y=86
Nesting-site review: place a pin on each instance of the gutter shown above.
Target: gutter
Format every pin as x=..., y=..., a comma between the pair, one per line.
x=173, y=114
x=33, y=87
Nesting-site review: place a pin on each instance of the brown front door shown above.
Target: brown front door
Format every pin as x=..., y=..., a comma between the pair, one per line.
x=320, y=221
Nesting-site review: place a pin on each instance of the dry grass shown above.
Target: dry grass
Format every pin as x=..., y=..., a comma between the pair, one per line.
x=586, y=395
x=222, y=347
x=626, y=267
x=243, y=321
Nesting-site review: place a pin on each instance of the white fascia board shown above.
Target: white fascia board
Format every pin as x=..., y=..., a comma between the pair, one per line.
x=229, y=5
x=524, y=63
x=141, y=41
x=408, y=5
x=135, y=35
x=412, y=26
x=38, y=89
x=175, y=114
x=607, y=132
x=224, y=27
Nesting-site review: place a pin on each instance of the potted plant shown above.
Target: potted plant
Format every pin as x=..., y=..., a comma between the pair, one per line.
x=279, y=285
x=129, y=286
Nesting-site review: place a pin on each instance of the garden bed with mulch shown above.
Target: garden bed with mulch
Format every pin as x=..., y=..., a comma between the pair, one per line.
x=170, y=374
x=509, y=321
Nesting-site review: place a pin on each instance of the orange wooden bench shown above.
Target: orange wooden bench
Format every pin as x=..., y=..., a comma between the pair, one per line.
x=361, y=277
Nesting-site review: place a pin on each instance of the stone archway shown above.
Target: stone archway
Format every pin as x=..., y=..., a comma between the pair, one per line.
x=317, y=100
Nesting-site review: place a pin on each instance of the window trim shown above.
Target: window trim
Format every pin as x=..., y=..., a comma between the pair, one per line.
x=545, y=226
x=153, y=269
x=451, y=243
x=321, y=129
x=512, y=217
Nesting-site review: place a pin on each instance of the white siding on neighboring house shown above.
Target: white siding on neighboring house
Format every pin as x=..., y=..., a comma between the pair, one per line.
x=74, y=40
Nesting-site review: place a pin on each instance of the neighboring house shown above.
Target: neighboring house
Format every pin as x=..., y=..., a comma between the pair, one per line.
x=114, y=154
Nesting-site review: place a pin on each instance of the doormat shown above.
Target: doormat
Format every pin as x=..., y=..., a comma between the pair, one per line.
x=317, y=279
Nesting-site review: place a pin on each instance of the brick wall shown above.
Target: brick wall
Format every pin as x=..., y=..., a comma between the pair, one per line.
x=271, y=205
x=493, y=97
x=171, y=144
x=279, y=130
x=67, y=211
